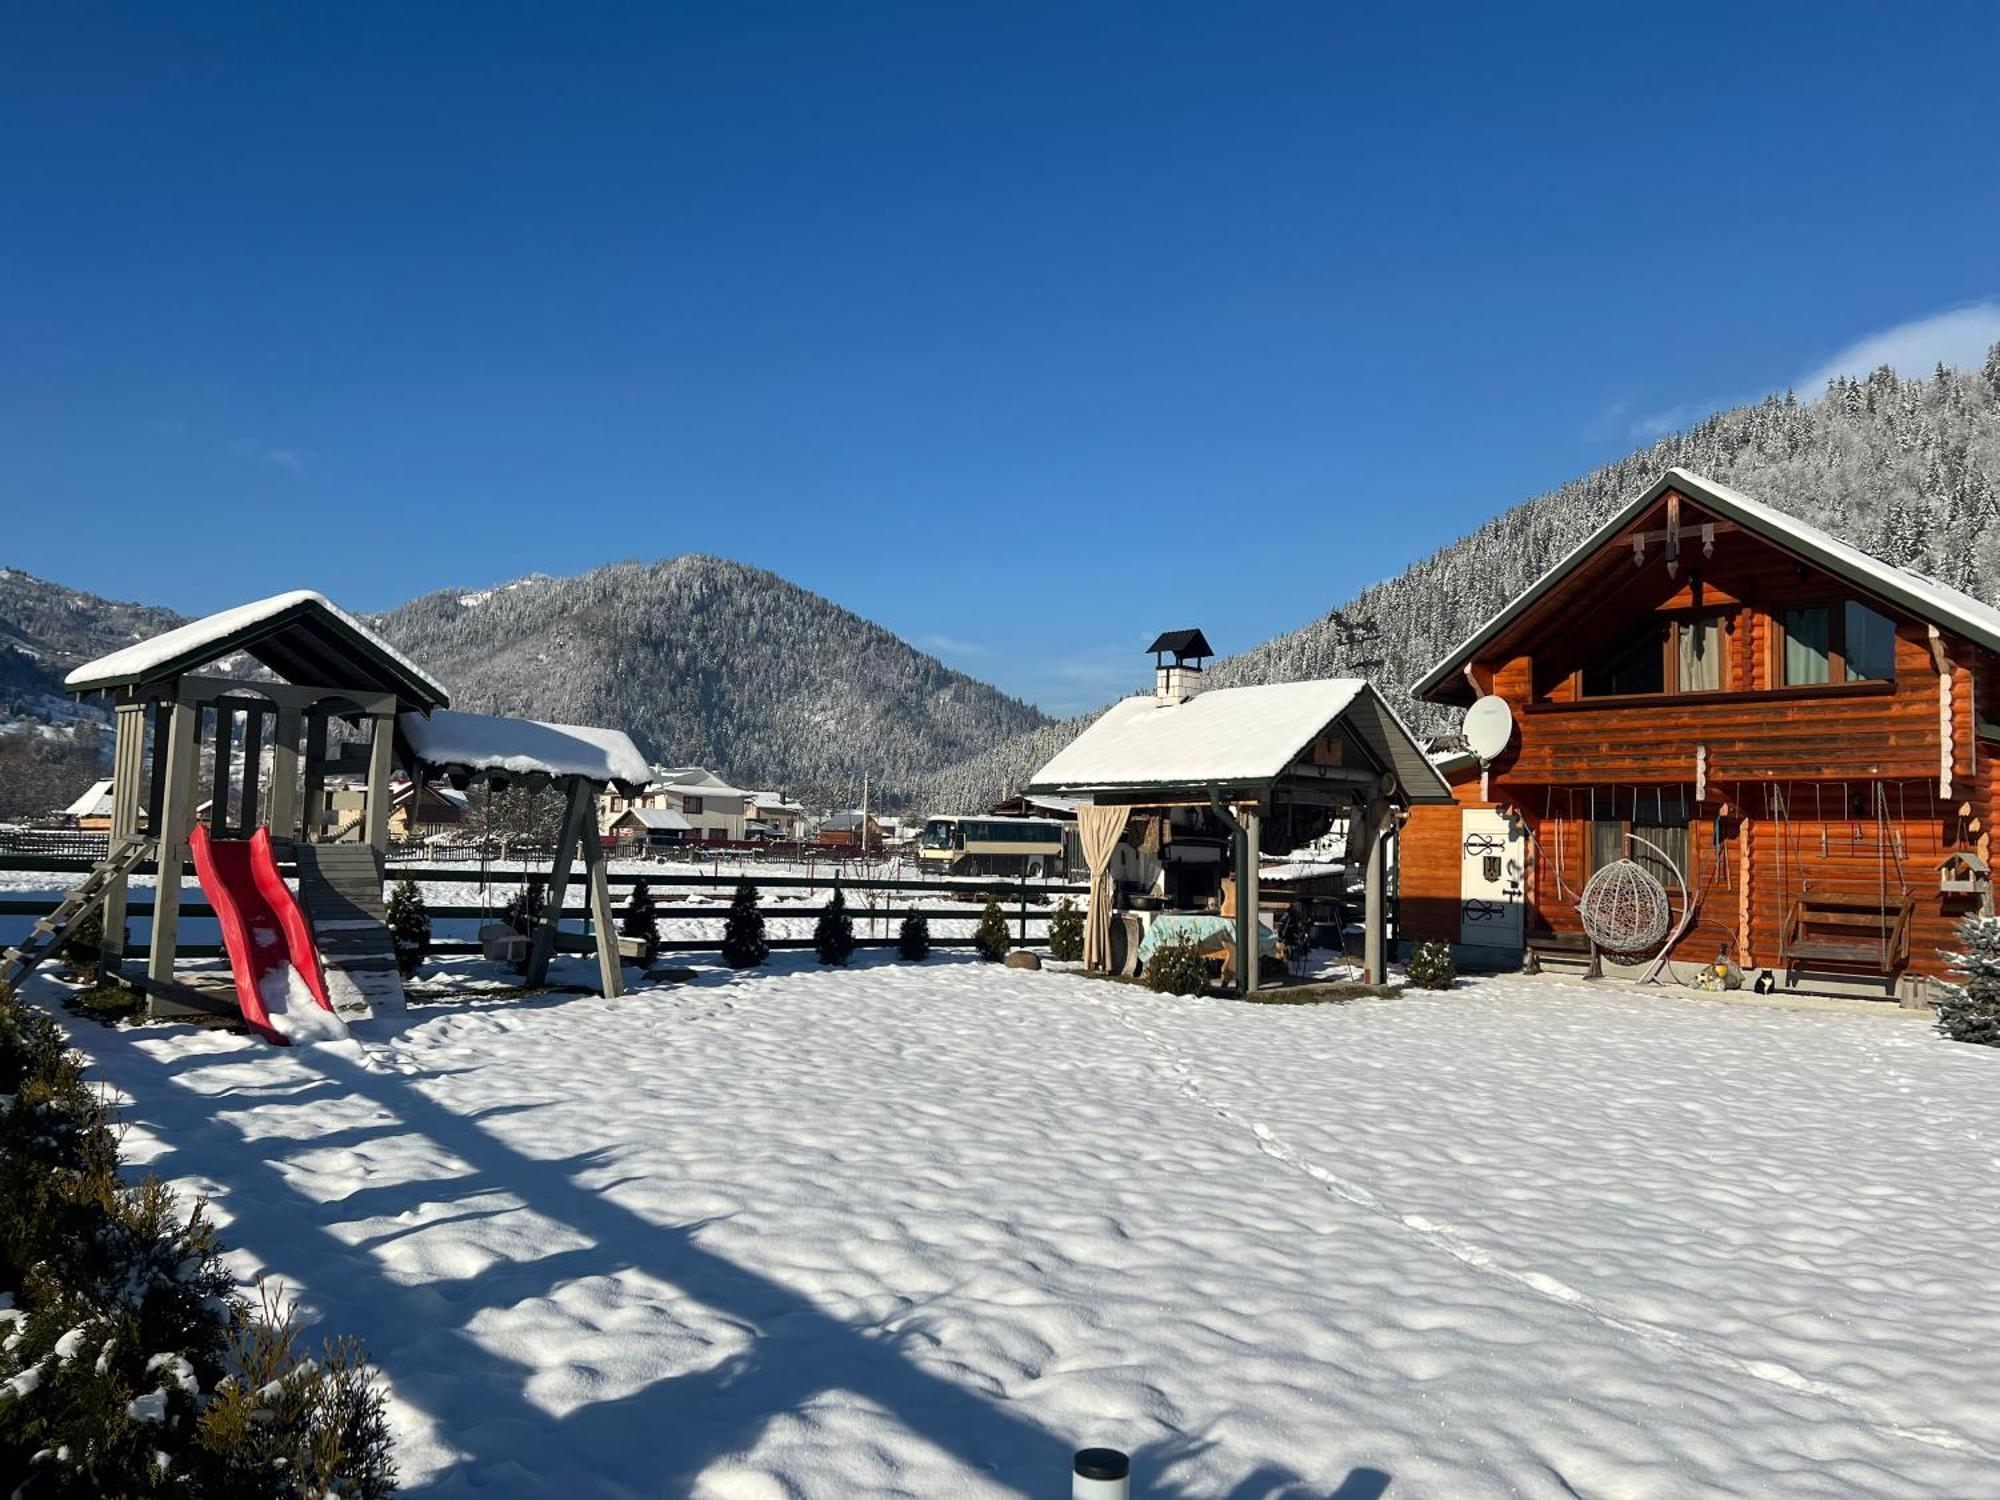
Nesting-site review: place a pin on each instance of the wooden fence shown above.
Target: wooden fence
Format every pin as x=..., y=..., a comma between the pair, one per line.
x=882, y=899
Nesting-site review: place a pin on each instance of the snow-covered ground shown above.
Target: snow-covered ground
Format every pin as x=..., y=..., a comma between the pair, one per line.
x=921, y=1231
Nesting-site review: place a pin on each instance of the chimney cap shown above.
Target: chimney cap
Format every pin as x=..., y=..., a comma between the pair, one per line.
x=1186, y=645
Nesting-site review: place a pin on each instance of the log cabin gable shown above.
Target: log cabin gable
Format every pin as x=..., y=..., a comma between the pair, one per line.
x=1768, y=647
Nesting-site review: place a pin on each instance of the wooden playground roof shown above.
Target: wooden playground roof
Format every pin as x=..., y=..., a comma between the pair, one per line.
x=302, y=636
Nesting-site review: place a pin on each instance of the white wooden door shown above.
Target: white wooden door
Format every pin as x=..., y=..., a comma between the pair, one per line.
x=1491, y=908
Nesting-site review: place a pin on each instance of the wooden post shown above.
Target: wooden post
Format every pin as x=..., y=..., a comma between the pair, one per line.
x=285, y=776
x=176, y=770
x=611, y=979
x=253, y=766
x=218, y=797
x=314, y=826
x=1375, y=899
x=1251, y=955
x=128, y=759
x=543, y=948
x=381, y=762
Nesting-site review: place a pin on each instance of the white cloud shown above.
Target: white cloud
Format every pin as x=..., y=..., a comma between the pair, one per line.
x=282, y=458
x=950, y=647
x=1958, y=338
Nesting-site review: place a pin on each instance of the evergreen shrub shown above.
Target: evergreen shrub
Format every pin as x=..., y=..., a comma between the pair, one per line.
x=743, y=943
x=1431, y=968
x=409, y=926
x=1970, y=1012
x=1066, y=932
x=1177, y=968
x=991, y=935
x=833, y=935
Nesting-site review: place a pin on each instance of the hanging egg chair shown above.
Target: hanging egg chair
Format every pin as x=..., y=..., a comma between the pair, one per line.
x=1624, y=908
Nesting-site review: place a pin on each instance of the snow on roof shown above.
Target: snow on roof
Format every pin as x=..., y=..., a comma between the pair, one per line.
x=95, y=803
x=220, y=633
x=485, y=742
x=658, y=819
x=1927, y=598
x=1243, y=734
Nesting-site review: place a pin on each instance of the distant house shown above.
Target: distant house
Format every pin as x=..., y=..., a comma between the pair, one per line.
x=651, y=827
x=417, y=811
x=715, y=811
x=779, y=813
x=91, y=813
x=844, y=831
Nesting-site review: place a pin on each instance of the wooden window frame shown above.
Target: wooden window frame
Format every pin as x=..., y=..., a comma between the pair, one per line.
x=1671, y=622
x=1836, y=642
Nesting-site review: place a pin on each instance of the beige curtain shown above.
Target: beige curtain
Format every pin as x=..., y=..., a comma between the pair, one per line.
x=1098, y=829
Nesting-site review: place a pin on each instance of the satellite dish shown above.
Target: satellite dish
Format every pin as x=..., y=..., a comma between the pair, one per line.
x=1489, y=726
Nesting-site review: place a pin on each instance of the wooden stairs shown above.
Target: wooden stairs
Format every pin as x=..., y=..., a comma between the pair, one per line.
x=340, y=889
x=47, y=935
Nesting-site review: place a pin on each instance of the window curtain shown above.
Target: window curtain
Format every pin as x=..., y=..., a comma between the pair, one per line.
x=1805, y=646
x=1701, y=655
x=1098, y=830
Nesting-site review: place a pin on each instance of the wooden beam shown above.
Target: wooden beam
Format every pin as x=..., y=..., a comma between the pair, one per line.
x=1375, y=917
x=1249, y=956
x=1947, y=748
x=381, y=767
x=218, y=796
x=611, y=978
x=253, y=766
x=577, y=815
x=284, y=810
x=176, y=823
x=128, y=757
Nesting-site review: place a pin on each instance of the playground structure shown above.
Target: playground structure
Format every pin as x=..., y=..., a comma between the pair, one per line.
x=254, y=760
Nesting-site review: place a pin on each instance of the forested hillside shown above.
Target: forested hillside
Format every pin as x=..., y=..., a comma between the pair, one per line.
x=1908, y=469
x=708, y=662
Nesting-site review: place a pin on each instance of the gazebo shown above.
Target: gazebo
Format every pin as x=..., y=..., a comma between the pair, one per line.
x=1175, y=782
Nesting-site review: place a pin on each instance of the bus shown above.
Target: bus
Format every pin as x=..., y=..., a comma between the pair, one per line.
x=992, y=846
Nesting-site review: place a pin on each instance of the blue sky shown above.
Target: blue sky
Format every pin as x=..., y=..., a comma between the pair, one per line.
x=1027, y=331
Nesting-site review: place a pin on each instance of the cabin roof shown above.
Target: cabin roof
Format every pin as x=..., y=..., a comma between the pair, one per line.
x=657, y=819
x=95, y=803
x=484, y=742
x=302, y=636
x=1925, y=597
x=1243, y=737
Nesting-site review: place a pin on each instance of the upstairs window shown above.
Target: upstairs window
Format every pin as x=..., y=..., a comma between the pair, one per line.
x=1850, y=643
x=1681, y=654
x=1870, y=644
x=1698, y=654
x=1808, y=647
x=1635, y=664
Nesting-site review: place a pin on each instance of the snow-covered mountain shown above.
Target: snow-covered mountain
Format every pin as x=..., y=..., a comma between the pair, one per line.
x=704, y=661
x=709, y=662
x=1908, y=469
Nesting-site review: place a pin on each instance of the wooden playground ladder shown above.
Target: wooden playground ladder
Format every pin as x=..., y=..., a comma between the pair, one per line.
x=48, y=932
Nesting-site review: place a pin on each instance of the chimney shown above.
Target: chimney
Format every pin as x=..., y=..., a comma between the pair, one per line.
x=1178, y=680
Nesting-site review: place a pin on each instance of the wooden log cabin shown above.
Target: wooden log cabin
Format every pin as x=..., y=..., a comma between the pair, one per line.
x=1791, y=730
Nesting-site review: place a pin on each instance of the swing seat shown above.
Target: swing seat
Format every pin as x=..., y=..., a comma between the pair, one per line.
x=1849, y=933
x=502, y=944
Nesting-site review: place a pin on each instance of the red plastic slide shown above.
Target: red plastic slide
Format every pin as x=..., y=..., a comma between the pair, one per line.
x=262, y=926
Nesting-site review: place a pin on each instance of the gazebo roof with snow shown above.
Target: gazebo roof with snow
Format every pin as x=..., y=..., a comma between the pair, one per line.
x=302, y=636
x=1244, y=740
x=462, y=746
